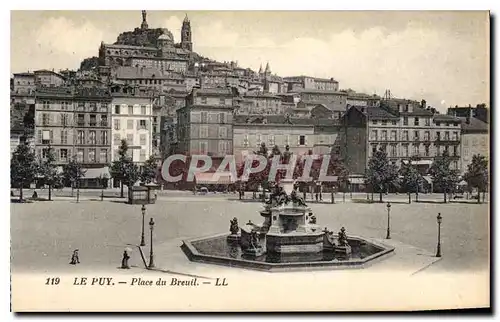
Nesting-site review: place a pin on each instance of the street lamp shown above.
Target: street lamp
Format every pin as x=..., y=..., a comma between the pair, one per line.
x=388, y=221
x=439, y=220
x=151, y=262
x=143, y=210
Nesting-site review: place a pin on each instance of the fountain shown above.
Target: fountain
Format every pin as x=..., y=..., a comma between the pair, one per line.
x=288, y=238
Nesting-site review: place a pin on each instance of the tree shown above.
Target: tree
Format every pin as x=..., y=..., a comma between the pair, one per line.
x=124, y=168
x=23, y=167
x=149, y=170
x=342, y=173
x=381, y=174
x=411, y=179
x=477, y=175
x=442, y=175
x=73, y=172
x=48, y=170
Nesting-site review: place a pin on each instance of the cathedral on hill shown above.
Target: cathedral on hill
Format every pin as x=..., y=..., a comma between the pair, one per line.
x=153, y=48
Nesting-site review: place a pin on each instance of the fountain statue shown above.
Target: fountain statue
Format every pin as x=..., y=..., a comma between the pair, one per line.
x=234, y=229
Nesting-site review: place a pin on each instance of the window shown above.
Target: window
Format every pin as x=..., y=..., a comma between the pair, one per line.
x=271, y=140
x=79, y=155
x=104, y=138
x=222, y=132
x=117, y=109
x=287, y=139
x=438, y=136
x=204, y=117
x=142, y=156
x=81, y=137
x=104, y=120
x=64, y=137
x=405, y=120
x=222, y=147
x=455, y=150
x=116, y=139
x=64, y=119
x=384, y=122
x=393, y=135
x=116, y=124
x=80, y=121
x=416, y=135
x=405, y=135
x=427, y=136
x=104, y=108
x=446, y=136
x=394, y=150
x=416, y=121
x=222, y=118
x=374, y=135
x=92, y=137
x=45, y=105
x=222, y=101
x=130, y=139
x=394, y=122
x=374, y=149
x=203, y=147
x=302, y=140
x=103, y=156
x=45, y=153
x=384, y=135
x=142, y=124
x=143, y=109
x=245, y=141
x=427, y=121
x=93, y=108
x=447, y=124
x=92, y=155
x=93, y=120
x=63, y=154
x=81, y=107
x=427, y=153
x=455, y=164
x=45, y=119
x=130, y=124
x=455, y=136
x=203, y=100
x=438, y=123
x=416, y=149
x=405, y=150
x=130, y=109
x=374, y=122
x=203, y=131
x=142, y=139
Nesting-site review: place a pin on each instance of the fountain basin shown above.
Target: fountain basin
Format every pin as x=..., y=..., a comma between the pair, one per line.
x=216, y=250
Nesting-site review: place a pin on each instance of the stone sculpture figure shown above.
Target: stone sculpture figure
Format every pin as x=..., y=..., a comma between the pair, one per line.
x=254, y=239
x=296, y=199
x=234, y=228
x=342, y=237
x=278, y=196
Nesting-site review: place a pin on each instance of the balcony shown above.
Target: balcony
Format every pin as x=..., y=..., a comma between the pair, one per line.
x=445, y=141
x=92, y=123
x=104, y=123
x=80, y=123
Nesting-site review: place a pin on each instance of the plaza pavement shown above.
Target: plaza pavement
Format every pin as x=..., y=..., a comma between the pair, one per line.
x=44, y=234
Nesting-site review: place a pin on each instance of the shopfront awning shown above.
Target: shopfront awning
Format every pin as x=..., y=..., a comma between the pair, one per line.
x=94, y=173
x=213, y=178
x=428, y=179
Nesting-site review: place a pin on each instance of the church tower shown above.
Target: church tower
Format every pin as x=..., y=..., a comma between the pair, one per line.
x=186, y=35
x=144, y=24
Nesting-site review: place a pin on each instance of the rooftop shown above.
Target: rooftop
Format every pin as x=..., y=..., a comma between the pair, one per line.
x=474, y=125
x=444, y=118
x=318, y=91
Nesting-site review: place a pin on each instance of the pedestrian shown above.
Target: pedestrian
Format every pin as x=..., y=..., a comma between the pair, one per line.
x=125, y=259
x=35, y=195
x=75, y=259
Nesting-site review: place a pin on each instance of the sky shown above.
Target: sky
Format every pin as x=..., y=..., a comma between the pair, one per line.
x=439, y=56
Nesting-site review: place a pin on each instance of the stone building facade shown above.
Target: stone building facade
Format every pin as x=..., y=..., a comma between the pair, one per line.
x=475, y=140
x=205, y=124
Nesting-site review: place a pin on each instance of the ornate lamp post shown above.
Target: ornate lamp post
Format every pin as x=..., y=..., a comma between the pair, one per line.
x=388, y=221
x=439, y=220
x=143, y=210
x=151, y=261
